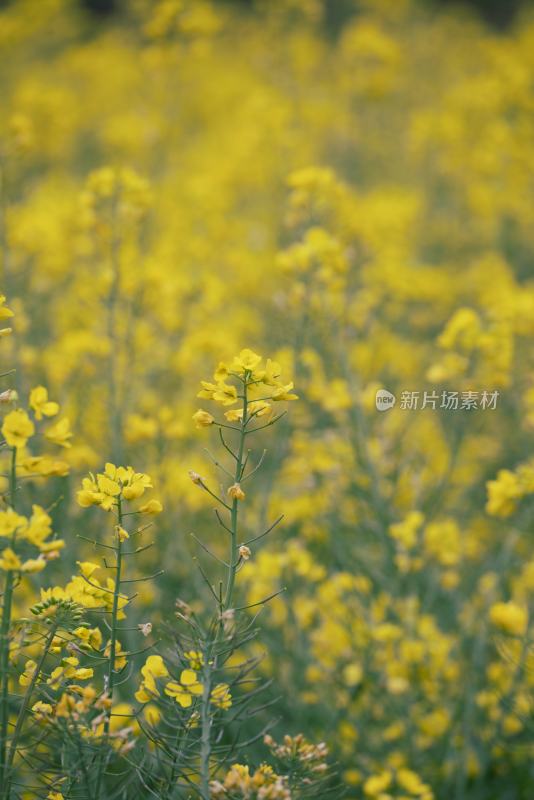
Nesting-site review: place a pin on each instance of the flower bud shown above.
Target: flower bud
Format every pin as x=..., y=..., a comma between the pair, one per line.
x=9, y=396
x=203, y=419
x=152, y=507
x=183, y=609
x=245, y=552
x=236, y=492
x=197, y=479
x=122, y=533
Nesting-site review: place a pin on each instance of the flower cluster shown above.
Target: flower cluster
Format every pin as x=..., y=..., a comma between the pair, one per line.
x=5, y=313
x=240, y=784
x=402, y=783
x=263, y=383
x=509, y=487
x=311, y=757
x=107, y=489
x=18, y=427
x=86, y=590
x=24, y=534
x=183, y=690
x=509, y=618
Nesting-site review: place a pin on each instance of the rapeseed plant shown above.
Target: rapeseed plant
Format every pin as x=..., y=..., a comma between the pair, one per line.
x=196, y=713
x=69, y=737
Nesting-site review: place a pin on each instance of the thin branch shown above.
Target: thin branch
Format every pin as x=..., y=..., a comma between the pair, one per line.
x=256, y=468
x=261, y=602
x=93, y=541
x=206, y=578
x=265, y=533
x=219, y=518
x=267, y=424
x=208, y=551
x=223, y=442
x=218, y=463
x=138, y=550
x=145, y=578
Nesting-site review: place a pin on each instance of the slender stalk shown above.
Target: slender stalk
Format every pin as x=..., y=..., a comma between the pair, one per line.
x=4, y=252
x=239, y=466
x=175, y=761
x=82, y=761
x=205, y=740
x=5, y=257
x=24, y=708
x=506, y=699
x=112, y=302
x=4, y=665
x=114, y=612
x=110, y=678
x=209, y=658
x=5, y=638
x=3, y=222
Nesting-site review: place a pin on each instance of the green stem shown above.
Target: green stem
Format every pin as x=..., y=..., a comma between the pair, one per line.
x=82, y=760
x=178, y=751
x=5, y=637
x=3, y=237
x=205, y=741
x=71, y=771
x=232, y=564
x=114, y=613
x=113, y=337
x=13, y=477
x=506, y=702
x=4, y=665
x=209, y=659
x=24, y=708
x=112, y=646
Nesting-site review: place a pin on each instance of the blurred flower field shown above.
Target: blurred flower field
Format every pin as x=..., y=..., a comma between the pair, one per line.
x=223, y=230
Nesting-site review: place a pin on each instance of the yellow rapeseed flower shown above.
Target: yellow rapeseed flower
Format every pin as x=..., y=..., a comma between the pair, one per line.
x=40, y=403
x=203, y=419
x=17, y=428
x=60, y=433
x=510, y=618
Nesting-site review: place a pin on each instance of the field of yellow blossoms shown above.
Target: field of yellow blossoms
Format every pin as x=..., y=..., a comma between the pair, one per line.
x=266, y=402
